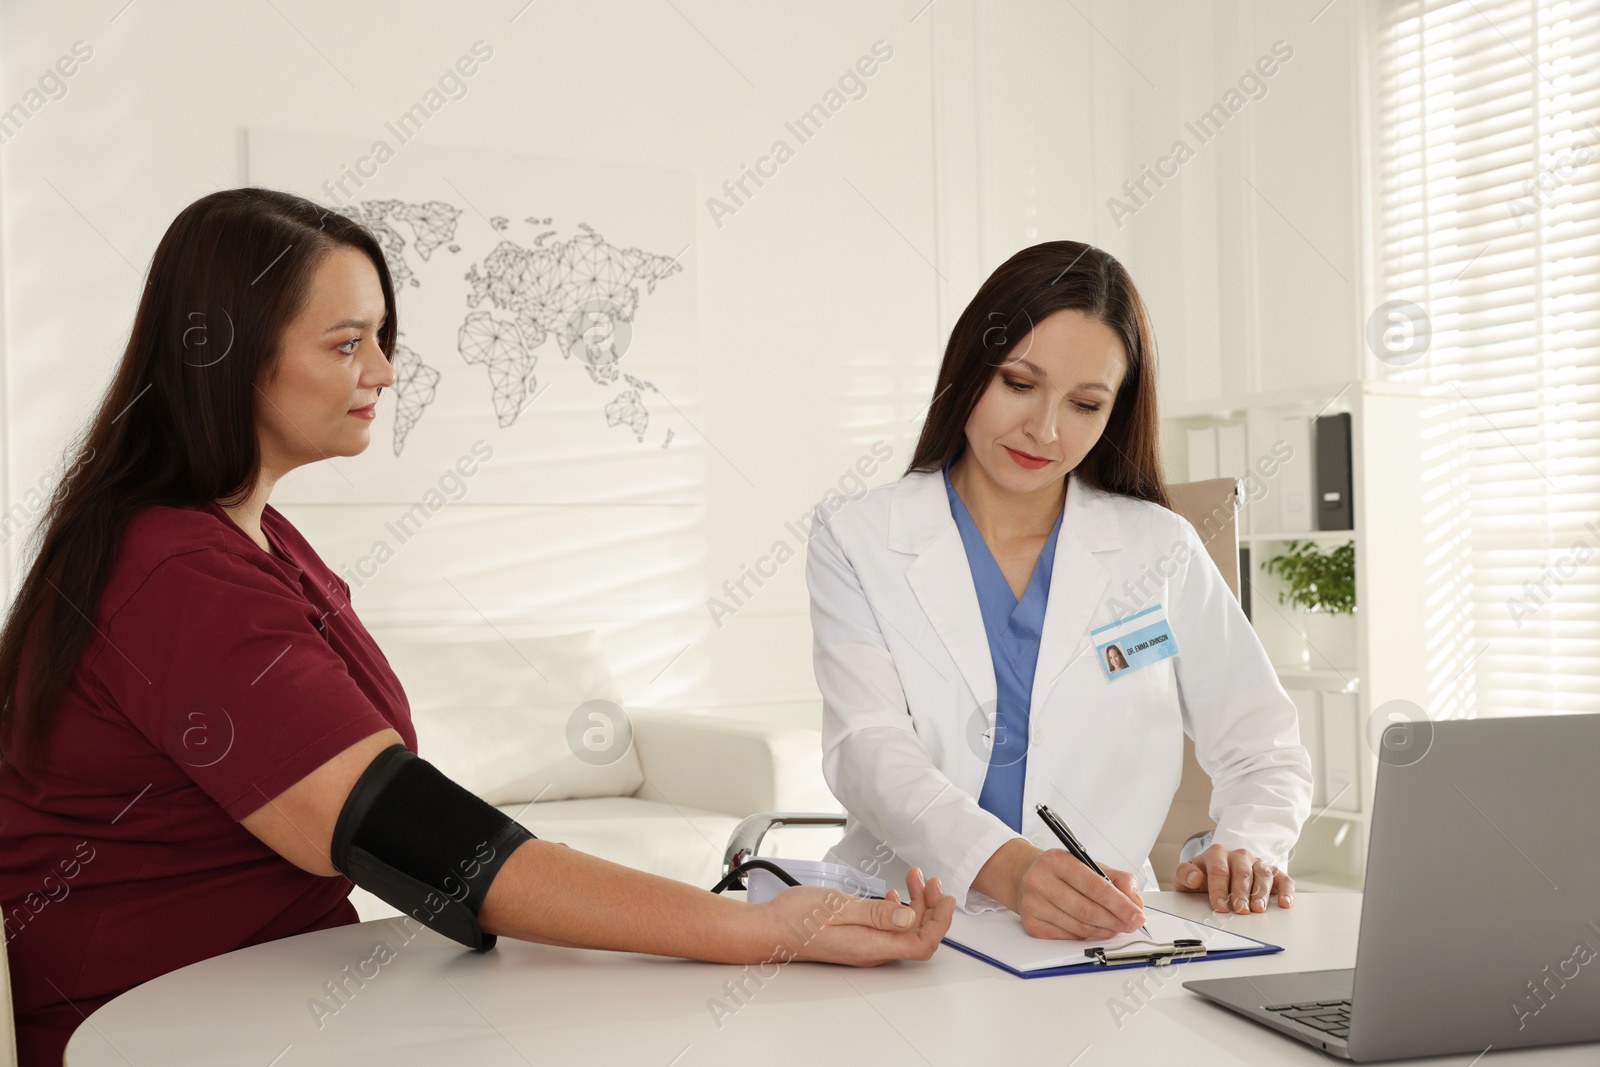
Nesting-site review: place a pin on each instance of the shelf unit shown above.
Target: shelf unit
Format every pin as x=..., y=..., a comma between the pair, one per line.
x=1333, y=666
x=1337, y=537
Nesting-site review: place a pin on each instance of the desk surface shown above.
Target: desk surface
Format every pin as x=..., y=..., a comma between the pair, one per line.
x=429, y=1001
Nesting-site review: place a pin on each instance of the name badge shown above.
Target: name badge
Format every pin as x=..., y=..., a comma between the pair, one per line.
x=1133, y=642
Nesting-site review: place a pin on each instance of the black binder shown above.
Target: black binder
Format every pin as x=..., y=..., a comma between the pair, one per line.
x=1334, y=483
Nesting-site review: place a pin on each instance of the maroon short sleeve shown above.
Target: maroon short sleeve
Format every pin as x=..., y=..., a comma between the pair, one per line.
x=222, y=664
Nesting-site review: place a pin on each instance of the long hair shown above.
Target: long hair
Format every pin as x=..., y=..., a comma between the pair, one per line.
x=175, y=427
x=1023, y=291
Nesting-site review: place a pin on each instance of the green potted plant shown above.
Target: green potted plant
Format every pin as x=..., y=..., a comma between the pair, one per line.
x=1324, y=584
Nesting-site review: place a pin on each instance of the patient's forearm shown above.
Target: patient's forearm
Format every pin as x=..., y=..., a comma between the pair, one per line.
x=548, y=893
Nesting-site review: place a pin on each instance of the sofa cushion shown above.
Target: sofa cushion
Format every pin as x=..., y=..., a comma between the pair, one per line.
x=681, y=843
x=674, y=842
x=501, y=715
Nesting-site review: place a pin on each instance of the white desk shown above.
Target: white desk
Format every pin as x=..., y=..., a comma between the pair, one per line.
x=434, y=1003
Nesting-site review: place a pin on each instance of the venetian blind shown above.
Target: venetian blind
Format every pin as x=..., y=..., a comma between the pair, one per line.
x=1487, y=207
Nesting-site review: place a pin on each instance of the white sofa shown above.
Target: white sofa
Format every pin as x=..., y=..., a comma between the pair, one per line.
x=534, y=725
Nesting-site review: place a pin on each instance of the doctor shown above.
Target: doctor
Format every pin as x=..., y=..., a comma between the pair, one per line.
x=963, y=619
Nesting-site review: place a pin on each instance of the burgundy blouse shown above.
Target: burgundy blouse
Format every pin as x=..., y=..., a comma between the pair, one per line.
x=219, y=676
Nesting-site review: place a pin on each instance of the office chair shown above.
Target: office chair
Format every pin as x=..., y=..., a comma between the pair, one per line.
x=1212, y=508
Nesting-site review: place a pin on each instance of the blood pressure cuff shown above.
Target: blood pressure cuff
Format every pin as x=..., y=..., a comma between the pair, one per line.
x=421, y=843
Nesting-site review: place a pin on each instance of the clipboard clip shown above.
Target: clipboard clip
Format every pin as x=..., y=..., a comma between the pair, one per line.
x=1184, y=948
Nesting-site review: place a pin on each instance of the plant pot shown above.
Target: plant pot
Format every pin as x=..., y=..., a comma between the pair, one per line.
x=1330, y=640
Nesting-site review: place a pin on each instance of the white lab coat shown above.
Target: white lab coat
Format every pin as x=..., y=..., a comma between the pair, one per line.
x=902, y=661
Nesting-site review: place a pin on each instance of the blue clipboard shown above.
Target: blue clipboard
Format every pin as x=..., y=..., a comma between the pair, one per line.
x=995, y=940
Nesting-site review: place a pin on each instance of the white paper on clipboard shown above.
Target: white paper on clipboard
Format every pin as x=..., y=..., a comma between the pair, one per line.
x=999, y=935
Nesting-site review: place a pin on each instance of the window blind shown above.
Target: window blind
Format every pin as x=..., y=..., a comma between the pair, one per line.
x=1487, y=211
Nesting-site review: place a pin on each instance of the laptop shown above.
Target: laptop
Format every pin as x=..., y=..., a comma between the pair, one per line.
x=1480, y=925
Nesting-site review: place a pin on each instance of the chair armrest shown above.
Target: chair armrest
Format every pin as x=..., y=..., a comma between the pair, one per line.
x=1196, y=844
x=732, y=766
x=745, y=841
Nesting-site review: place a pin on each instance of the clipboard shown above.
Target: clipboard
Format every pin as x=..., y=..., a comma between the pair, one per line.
x=997, y=938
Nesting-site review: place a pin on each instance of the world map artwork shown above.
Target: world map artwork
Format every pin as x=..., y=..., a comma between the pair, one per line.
x=582, y=291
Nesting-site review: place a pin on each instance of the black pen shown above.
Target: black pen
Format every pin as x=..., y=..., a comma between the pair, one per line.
x=1059, y=828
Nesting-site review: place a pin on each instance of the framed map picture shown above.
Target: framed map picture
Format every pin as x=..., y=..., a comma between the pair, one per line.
x=547, y=321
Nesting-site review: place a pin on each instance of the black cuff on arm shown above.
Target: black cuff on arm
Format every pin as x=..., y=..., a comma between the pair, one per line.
x=423, y=844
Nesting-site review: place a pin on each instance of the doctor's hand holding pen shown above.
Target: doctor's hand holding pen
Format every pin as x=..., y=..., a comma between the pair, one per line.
x=1236, y=880
x=1057, y=896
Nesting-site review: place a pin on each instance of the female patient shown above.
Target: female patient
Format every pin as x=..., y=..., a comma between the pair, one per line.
x=1022, y=620
x=189, y=699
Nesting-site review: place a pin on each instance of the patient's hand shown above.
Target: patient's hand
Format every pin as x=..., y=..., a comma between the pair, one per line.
x=812, y=923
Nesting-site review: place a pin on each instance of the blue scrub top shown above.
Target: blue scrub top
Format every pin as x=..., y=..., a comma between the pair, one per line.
x=1013, y=627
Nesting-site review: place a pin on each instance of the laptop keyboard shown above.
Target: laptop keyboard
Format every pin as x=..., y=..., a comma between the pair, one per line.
x=1332, y=1017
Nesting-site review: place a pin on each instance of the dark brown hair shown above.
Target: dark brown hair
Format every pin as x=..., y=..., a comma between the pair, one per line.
x=1026, y=289
x=176, y=426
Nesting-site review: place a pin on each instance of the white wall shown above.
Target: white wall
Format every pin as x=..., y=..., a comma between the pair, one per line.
x=823, y=304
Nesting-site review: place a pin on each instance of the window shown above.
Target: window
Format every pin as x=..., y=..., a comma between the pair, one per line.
x=1487, y=206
